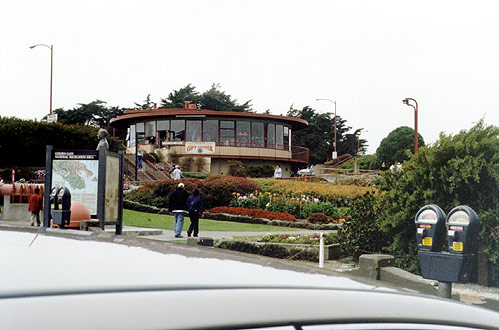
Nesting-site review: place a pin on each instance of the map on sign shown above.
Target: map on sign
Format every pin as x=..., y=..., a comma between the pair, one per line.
x=81, y=177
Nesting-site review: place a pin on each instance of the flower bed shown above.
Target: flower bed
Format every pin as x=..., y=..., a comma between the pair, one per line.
x=254, y=213
x=234, y=218
x=301, y=207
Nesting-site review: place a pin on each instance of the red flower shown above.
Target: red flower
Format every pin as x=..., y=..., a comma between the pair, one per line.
x=254, y=213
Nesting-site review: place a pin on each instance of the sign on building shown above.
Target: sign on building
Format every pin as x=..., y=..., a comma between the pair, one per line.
x=200, y=148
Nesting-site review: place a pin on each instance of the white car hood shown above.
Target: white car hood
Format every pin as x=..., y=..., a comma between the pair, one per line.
x=33, y=262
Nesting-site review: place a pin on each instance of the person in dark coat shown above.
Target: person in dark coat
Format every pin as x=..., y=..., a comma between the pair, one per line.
x=195, y=208
x=178, y=205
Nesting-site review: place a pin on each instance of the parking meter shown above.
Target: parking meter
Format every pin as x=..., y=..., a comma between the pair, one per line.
x=430, y=223
x=462, y=230
x=61, y=212
x=461, y=226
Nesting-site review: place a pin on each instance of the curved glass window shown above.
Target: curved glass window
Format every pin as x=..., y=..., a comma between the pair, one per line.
x=279, y=131
x=210, y=130
x=257, y=134
x=139, y=128
x=227, y=133
x=287, y=135
x=163, y=126
x=132, y=135
x=243, y=133
x=270, y=143
x=150, y=132
x=193, y=130
x=177, y=130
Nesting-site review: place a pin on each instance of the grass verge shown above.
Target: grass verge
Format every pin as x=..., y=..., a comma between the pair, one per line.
x=161, y=221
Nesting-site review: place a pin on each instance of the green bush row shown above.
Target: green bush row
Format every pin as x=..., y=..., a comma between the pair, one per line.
x=455, y=170
x=270, y=250
x=216, y=190
x=24, y=141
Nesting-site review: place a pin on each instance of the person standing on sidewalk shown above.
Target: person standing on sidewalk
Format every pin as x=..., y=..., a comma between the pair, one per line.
x=35, y=206
x=278, y=172
x=177, y=173
x=195, y=208
x=177, y=204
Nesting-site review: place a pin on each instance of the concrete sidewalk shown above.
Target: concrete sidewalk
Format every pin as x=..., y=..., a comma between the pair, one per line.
x=169, y=235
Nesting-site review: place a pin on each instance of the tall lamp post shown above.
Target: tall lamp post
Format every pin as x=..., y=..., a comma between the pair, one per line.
x=51, y=47
x=335, y=154
x=356, y=169
x=406, y=102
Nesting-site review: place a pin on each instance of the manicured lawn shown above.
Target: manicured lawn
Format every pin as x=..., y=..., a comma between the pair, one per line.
x=161, y=221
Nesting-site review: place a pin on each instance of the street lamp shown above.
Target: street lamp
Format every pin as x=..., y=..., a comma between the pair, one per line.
x=406, y=101
x=51, y=47
x=334, y=145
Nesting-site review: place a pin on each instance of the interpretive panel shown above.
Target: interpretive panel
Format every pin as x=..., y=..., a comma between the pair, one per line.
x=79, y=171
x=112, y=188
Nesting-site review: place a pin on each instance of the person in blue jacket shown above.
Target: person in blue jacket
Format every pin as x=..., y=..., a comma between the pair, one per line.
x=195, y=209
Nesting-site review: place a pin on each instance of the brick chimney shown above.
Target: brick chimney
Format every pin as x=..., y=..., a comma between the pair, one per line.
x=189, y=105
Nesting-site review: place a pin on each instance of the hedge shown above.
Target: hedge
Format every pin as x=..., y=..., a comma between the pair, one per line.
x=24, y=141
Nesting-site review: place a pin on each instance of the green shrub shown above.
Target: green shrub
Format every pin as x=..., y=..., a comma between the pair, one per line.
x=187, y=163
x=318, y=217
x=270, y=250
x=152, y=157
x=146, y=195
x=365, y=180
x=199, y=176
x=327, y=208
x=157, y=193
x=199, y=164
x=366, y=162
x=261, y=171
x=236, y=168
x=455, y=170
x=217, y=189
x=362, y=232
x=173, y=157
x=24, y=141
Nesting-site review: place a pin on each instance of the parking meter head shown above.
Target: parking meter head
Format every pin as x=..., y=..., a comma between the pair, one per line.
x=53, y=200
x=430, y=228
x=64, y=198
x=462, y=230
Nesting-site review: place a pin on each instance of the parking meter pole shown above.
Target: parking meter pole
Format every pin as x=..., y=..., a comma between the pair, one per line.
x=321, y=251
x=445, y=290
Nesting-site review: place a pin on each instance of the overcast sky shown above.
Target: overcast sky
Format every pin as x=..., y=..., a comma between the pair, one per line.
x=366, y=55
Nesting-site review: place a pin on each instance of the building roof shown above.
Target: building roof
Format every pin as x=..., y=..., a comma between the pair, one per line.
x=132, y=116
